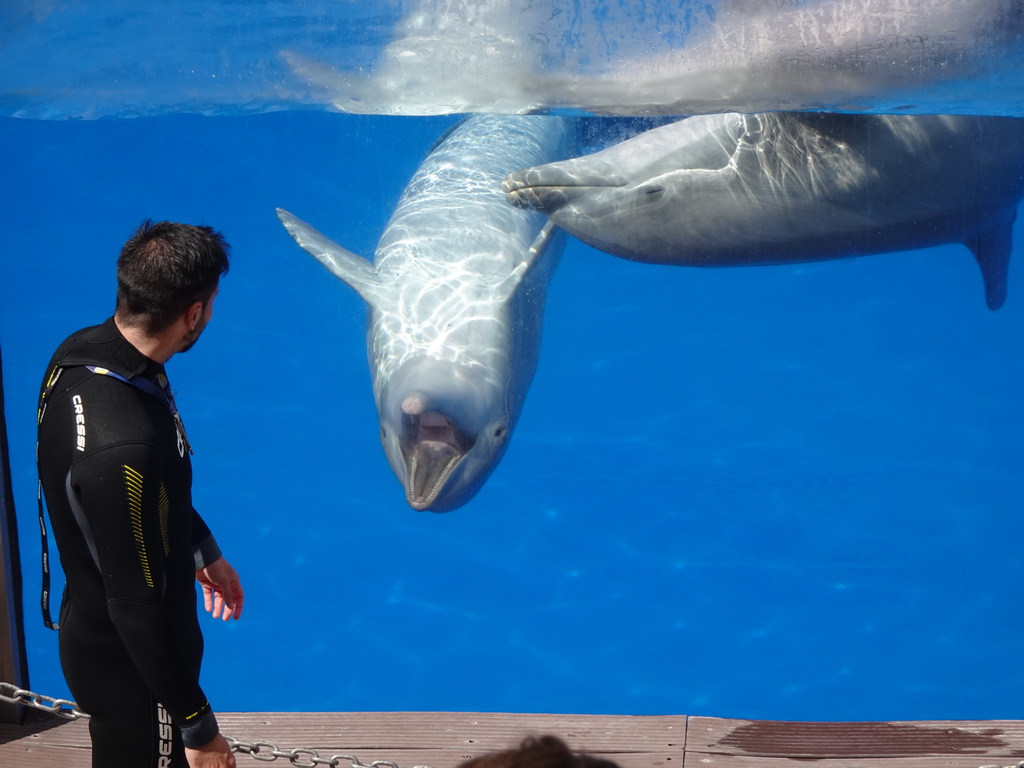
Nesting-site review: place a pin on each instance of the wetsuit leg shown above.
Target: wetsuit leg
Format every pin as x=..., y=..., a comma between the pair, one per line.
x=129, y=728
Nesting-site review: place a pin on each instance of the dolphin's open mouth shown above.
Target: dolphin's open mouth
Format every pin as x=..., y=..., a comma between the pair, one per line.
x=433, y=448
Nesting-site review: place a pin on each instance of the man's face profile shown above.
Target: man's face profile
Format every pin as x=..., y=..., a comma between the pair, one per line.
x=192, y=336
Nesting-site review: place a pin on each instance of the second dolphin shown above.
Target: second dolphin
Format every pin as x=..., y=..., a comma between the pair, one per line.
x=781, y=188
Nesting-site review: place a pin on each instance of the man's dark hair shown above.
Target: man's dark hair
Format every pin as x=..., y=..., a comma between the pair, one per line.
x=166, y=267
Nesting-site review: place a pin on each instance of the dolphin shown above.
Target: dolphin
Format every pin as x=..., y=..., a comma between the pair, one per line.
x=650, y=57
x=456, y=296
x=782, y=188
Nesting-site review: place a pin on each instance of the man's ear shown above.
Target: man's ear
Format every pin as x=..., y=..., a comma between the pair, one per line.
x=193, y=315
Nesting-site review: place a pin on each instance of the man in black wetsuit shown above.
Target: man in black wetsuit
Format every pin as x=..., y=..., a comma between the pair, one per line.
x=117, y=477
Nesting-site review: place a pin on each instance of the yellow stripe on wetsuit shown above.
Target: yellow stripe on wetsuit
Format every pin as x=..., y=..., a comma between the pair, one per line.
x=164, y=507
x=133, y=486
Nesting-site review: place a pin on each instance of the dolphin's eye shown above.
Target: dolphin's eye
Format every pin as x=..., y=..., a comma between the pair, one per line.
x=500, y=432
x=653, y=190
x=383, y=433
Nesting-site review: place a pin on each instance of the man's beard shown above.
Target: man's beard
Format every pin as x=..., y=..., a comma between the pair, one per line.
x=193, y=336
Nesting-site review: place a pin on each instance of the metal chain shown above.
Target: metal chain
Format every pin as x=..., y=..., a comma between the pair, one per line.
x=304, y=757
x=264, y=751
x=60, y=707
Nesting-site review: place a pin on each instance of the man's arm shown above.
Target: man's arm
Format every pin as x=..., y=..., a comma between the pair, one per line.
x=143, y=562
x=204, y=547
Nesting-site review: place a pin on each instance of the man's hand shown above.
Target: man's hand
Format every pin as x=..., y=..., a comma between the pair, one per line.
x=222, y=591
x=216, y=754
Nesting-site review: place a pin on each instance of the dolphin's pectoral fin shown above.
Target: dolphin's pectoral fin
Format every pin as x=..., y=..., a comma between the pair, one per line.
x=511, y=283
x=991, y=245
x=342, y=263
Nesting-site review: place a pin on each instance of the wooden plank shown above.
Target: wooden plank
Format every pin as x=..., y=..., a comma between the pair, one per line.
x=722, y=743
x=439, y=739
x=699, y=760
x=445, y=739
x=45, y=741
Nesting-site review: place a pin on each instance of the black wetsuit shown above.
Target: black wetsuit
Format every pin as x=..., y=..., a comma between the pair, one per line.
x=117, y=478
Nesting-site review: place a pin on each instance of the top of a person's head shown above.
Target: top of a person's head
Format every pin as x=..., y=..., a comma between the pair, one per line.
x=166, y=267
x=540, y=752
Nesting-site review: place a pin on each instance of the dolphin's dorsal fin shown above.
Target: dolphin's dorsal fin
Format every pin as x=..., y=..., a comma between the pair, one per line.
x=991, y=245
x=342, y=263
x=511, y=283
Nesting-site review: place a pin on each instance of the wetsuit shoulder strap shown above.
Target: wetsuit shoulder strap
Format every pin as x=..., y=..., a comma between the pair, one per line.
x=139, y=382
x=161, y=392
x=51, y=381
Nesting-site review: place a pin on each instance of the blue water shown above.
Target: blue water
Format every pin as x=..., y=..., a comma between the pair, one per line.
x=786, y=492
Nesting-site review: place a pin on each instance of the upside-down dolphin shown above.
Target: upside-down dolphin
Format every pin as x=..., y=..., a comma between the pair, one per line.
x=780, y=188
x=456, y=298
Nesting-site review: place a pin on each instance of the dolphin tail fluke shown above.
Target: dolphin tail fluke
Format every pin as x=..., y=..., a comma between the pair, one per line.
x=342, y=263
x=515, y=278
x=991, y=245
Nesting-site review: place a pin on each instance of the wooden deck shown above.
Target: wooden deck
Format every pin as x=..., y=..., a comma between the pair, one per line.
x=444, y=739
